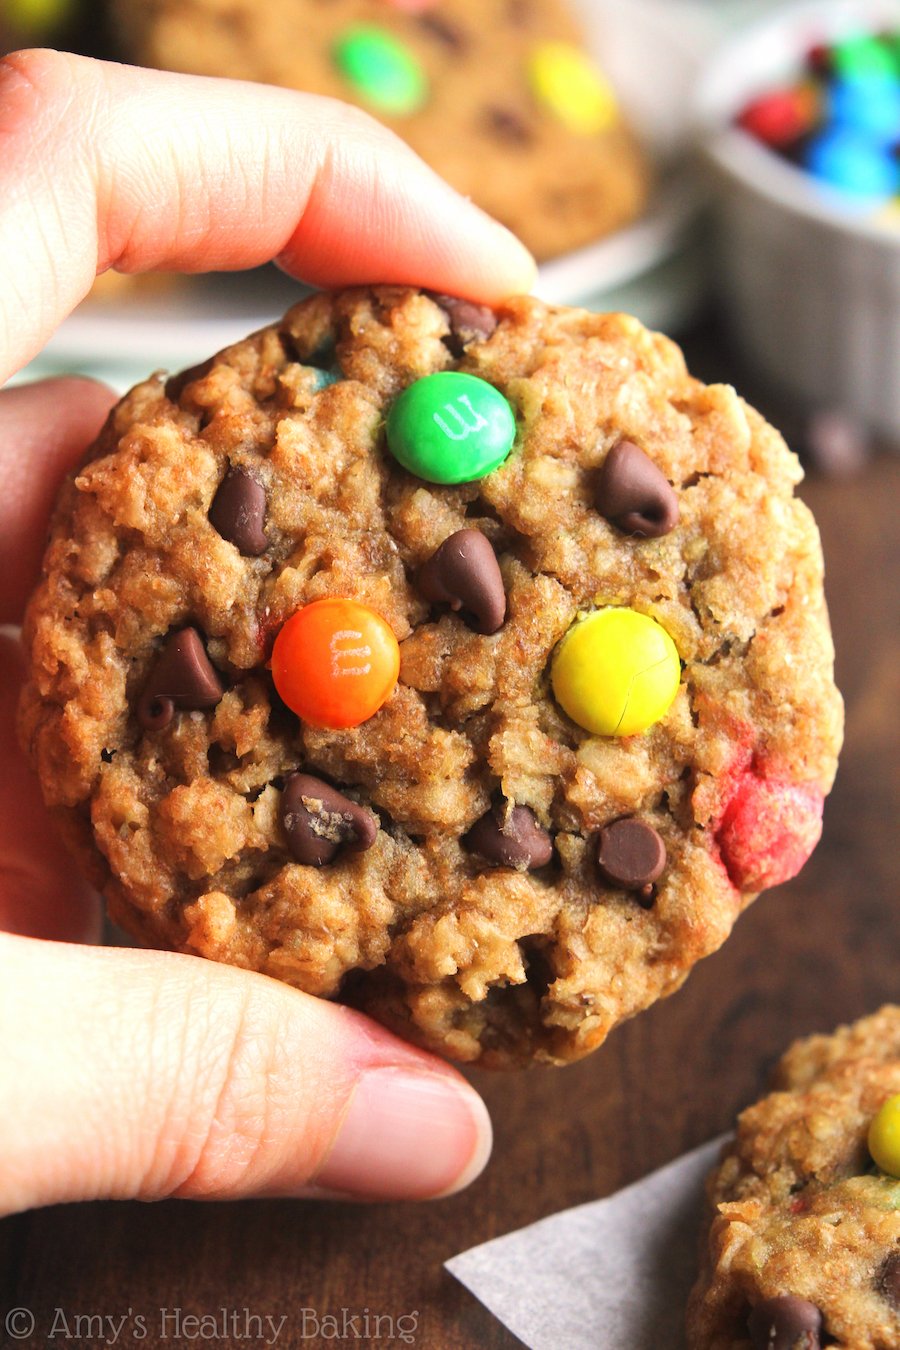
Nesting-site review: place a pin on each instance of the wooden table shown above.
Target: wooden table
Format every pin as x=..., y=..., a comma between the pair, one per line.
x=819, y=950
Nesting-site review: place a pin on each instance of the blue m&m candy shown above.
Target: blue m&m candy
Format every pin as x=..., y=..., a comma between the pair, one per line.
x=871, y=107
x=852, y=163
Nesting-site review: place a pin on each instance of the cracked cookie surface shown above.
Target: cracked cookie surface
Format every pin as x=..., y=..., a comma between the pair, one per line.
x=804, y=1247
x=481, y=944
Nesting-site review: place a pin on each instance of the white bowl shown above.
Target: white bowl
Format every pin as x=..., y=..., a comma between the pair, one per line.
x=812, y=287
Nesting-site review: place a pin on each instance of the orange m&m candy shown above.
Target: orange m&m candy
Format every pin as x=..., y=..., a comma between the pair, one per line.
x=335, y=662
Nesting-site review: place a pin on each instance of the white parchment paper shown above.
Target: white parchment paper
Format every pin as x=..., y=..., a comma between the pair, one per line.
x=610, y=1275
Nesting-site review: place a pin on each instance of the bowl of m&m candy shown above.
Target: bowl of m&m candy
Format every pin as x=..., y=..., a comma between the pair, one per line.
x=800, y=125
x=838, y=118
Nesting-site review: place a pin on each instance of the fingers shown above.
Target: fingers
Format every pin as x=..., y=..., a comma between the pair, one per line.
x=143, y=1074
x=44, y=429
x=104, y=165
x=40, y=891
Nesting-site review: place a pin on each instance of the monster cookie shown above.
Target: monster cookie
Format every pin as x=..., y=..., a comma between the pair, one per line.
x=469, y=667
x=804, y=1250
x=497, y=95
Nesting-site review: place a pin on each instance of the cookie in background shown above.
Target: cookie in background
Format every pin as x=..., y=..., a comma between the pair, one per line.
x=803, y=1248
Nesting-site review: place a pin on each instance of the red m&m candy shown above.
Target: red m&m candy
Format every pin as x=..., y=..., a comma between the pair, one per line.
x=781, y=117
x=768, y=830
x=335, y=662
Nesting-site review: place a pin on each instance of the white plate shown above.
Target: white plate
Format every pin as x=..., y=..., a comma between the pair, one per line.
x=652, y=50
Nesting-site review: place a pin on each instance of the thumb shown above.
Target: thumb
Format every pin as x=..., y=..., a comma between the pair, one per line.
x=146, y=1074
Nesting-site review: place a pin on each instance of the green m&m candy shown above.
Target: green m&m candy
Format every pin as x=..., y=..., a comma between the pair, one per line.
x=384, y=74
x=451, y=428
x=860, y=57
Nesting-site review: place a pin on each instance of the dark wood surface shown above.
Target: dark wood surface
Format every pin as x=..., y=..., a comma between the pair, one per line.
x=817, y=951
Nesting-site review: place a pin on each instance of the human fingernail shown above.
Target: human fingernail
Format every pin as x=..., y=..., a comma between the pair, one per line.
x=408, y=1136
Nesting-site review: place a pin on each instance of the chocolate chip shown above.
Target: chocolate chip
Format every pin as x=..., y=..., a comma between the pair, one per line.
x=630, y=854
x=887, y=1279
x=448, y=33
x=238, y=512
x=634, y=494
x=468, y=322
x=464, y=573
x=183, y=677
x=510, y=838
x=785, y=1323
x=508, y=125
x=318, y=821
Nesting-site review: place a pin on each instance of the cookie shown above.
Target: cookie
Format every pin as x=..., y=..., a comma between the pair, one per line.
x=537, y=614
x=497, y=95
x=804, y=1248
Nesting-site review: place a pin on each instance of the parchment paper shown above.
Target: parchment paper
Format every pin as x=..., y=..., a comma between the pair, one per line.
x=610, y=1275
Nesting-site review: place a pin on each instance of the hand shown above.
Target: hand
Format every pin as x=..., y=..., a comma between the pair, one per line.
x=148, y=1074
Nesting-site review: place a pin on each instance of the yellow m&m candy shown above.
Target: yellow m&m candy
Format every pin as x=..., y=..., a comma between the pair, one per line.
x=565, y=80
x=884, y=1137
x=616, y=672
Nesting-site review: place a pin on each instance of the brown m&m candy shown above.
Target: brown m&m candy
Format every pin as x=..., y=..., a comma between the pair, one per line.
x=510, y=837
x=785, y=1323
x=238, y=512
x=183, y=677
x=318, y=821
x=464, y=573
x=631, y=855
x=634, y=494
